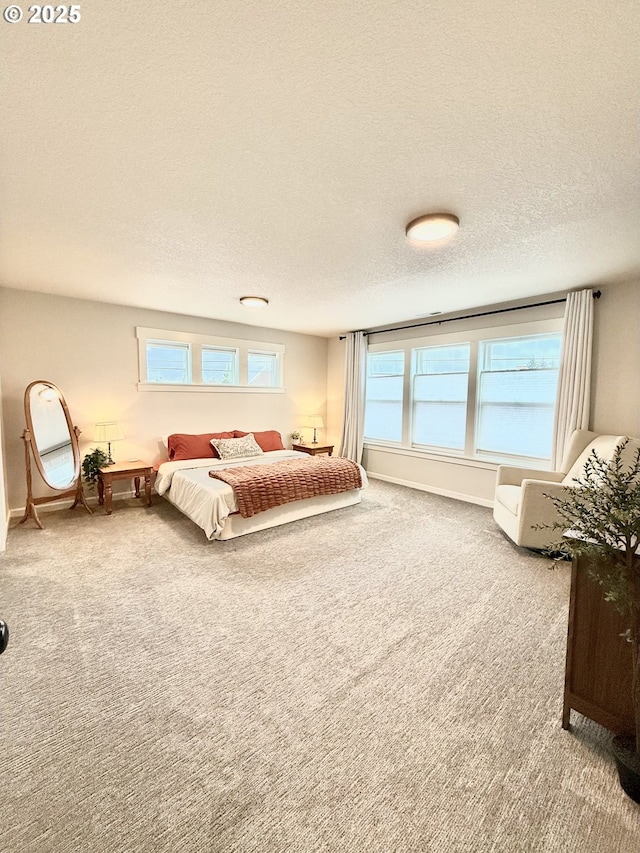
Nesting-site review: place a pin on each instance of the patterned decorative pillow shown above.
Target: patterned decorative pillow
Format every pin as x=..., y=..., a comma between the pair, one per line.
x=234, y=448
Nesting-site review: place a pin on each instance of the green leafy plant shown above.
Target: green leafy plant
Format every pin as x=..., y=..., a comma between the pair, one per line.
x=602, y=518
x=295, y=436
x=91, y=464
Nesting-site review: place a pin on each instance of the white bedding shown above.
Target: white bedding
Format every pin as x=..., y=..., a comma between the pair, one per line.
x=210, y=503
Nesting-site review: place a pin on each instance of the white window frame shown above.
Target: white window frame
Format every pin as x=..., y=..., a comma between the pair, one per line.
x=196, y=342
x=472, y=337
x=414, y=373
x=488, y=454
x=185, y=347
x=235, y=368
x=277, y=368
x=402, y=376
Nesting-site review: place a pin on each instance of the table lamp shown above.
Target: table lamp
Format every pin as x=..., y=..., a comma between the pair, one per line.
x=314, y=422
x=105, y=433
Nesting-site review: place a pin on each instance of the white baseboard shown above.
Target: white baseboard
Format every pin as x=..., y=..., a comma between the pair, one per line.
x=66, y=503
x=446, y=493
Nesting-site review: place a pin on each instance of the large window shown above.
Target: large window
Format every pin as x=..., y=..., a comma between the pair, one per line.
x=440, y=385
x=517, y=382
x=184, y=362
x=385, y=378
x=487, y=397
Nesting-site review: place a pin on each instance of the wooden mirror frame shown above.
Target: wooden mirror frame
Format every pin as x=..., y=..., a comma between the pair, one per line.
x=74, y=487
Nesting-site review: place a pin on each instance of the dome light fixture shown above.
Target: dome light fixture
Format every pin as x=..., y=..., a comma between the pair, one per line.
x=254, y=301
x=432, y=227
x=49, y=394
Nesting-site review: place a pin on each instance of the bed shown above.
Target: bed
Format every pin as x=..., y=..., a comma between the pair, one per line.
x=212, y=504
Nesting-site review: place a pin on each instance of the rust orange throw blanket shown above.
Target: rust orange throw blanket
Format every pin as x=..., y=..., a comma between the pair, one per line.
x=260, y=487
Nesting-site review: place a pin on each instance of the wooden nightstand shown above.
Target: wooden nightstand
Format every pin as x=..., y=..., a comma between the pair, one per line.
x=314, y=449
x=123, y=471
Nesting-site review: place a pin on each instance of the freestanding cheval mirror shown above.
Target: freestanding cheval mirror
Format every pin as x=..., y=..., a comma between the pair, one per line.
x=53, y=440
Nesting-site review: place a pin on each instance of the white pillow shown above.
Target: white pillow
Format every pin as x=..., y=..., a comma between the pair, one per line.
x=234, y=448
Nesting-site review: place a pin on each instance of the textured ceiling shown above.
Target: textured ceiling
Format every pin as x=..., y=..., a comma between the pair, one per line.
x=177, y=155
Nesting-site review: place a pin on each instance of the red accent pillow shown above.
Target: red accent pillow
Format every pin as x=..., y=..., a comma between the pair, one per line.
x=181, y=445
x=268, y=440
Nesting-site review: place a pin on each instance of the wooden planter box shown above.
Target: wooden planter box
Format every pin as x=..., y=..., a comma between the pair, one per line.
x=598, y=674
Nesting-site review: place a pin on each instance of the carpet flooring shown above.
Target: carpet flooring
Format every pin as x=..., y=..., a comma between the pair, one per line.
x=383, y=678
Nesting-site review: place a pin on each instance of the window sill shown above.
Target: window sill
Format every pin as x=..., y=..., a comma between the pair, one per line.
x=459, y=459
x=216, y=389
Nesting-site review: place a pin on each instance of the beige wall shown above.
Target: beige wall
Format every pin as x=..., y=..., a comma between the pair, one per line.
x=89, y=350
x=4, y=510
x=467, y=482
x=615, y=403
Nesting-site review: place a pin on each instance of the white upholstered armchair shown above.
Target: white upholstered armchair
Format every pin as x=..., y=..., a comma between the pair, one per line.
x=520, y=501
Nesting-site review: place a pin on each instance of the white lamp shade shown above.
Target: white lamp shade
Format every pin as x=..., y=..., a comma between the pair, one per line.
x=314, y=421
x=108, y=431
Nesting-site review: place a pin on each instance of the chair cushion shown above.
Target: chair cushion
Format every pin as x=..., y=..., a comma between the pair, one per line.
x=509, y=497
x=604, y=446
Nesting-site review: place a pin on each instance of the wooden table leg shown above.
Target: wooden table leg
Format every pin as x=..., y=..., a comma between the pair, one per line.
x=136, y=483
x=147, y=488
x=108, y=495
x=100, y=491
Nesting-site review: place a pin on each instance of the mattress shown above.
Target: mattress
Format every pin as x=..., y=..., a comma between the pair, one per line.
x=211, y=503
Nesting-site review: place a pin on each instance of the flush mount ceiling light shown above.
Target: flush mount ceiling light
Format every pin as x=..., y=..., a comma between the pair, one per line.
x=49, y=394
x=254, y=301
x=432, y=227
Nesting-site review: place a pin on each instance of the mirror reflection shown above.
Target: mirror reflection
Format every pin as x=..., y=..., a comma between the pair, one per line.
x=52, y=436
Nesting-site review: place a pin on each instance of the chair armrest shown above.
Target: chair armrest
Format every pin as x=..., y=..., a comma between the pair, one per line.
x=509, y=475
x=535, y=501
x=540, y=488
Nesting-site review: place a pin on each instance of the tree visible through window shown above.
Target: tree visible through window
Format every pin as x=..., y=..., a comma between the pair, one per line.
x=219, y=366
x=175, y=360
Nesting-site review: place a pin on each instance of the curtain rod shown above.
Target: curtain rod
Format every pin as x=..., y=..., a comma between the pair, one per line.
x=596, y=295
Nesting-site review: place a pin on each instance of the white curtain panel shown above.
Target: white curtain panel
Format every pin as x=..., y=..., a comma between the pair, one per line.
x=574, y=380
x=353, y=419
